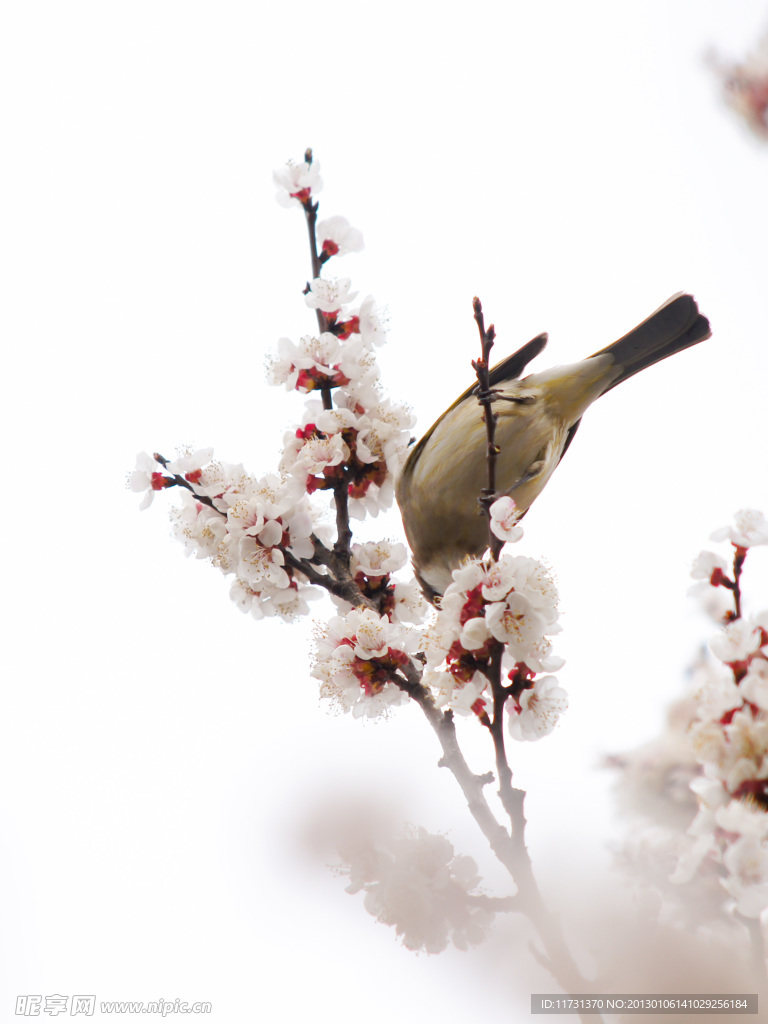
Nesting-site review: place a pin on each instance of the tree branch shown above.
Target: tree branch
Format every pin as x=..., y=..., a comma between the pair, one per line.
x=481, y=367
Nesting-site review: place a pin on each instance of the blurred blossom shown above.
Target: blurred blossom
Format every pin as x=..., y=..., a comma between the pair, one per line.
x=750, y=528
x=720, y=745
x=745, y=87
x=417, y=884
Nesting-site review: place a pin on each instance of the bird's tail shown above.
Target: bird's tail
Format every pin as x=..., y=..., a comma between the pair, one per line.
x=673, y=327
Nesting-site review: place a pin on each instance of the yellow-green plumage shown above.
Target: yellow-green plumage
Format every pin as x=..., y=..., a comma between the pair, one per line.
x=447, y=470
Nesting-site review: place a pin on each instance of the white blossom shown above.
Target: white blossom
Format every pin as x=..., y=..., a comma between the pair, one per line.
x=316, y=353
x=504, y=517
x=449, y=692
x=743, y=819
x=736, y=642
x=329, y=295
x=318, y=453
x=418, y=885
x=746, y=860
x=141, y=479
x=372, y=323
x=337, y=237
x=705, y=564
x=259, y=564
x=295, y=179
x=750, y=529
x=539, y=710
x=353, y=657
x=378, y=558
x=516, y=623
x=188, y=461
x=474, y=633
x=718, y=695
x=754, y=685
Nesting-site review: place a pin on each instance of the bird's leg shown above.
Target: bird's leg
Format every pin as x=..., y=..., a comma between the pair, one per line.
x=494, y=395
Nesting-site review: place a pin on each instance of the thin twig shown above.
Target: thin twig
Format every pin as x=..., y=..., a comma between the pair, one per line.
x=481, y=367
x=310, y=212
x=738, y=566
x=179, y=481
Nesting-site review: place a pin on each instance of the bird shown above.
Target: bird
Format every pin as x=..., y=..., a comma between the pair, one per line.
x=538, y=415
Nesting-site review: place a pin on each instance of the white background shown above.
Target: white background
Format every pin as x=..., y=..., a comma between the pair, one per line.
x=160, y=754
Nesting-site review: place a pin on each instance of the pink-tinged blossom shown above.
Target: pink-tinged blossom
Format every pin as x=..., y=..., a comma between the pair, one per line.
x=750, y=529
x=367, y=321
x=468, y=625
x=146, y=478
x=313, y=362
x=706, y=564
x=745, y=87
x=539, y=710
x=337, y=237
x=329, y=295
x=499, y=579
x=297, y=182
x=504, y=517
x=721, y=745
x=737, y=641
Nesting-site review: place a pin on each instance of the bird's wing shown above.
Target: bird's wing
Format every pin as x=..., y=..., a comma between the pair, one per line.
x=508, y=369
x=568, y=439
x=513, y=366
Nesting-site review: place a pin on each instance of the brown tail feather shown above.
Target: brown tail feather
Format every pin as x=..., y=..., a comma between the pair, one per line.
x=673, y=327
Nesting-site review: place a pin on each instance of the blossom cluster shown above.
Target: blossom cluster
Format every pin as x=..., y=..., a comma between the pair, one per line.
x=357, y=652
x=729, y=738
x=254, y=528
x=704, y=783
x=272, y=534
x=504, y=609
x=418, y=884
x=745, y=87
x=361, y=441
x=355, y=658
x=269, y=532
